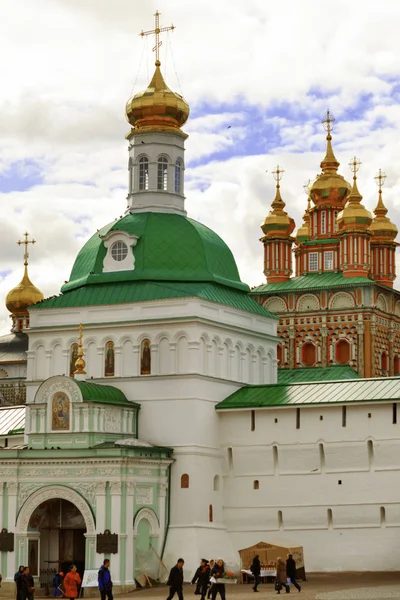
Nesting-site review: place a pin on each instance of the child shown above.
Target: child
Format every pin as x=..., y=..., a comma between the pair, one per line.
x=57, y=581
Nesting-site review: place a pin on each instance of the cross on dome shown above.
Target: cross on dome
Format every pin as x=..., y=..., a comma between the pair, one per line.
x=328, y=122
x=354, y=166
x=277, y=175
x=156, y=32
x=380, y=179
x=26, y=242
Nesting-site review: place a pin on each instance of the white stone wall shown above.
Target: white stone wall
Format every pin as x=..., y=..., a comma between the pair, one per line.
x=333, y=489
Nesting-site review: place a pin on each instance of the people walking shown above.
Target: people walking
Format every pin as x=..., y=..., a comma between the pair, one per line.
x=104, y=581
x=281, y=576
x=256, y=570
x=57, y=581
x=72, y=581
x=202, y=577
x=175, y=580
x=218, y=572
x=18, y=578
x=291, y=571
x=212, y=563
x=28, y=585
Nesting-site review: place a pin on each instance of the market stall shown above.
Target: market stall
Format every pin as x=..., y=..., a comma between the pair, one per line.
x=268, y=554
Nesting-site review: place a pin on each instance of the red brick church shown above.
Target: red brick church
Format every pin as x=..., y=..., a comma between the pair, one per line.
x=340, y=308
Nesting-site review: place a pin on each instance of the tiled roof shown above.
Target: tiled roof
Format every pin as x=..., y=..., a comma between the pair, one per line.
x=140, y=291
x=306, y=394
x=313, y=281
x=170, y=247
x=333, y=373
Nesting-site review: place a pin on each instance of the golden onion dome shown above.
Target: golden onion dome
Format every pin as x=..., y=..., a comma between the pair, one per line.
x=381, y=225
x=354, y=216
x=278, y=223
x=24, y=295
x=157, y=107
x=303, y=232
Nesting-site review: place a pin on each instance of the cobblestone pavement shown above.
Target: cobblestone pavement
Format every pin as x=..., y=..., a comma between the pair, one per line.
x=339, y=586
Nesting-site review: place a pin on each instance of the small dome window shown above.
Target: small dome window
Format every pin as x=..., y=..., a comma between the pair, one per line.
x=119, y=251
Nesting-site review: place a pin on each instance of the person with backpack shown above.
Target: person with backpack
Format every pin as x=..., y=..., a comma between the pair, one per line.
x=57, y=581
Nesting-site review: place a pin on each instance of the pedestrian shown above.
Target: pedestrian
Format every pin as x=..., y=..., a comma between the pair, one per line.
x=202, y=576
x=256, y=570
x=291, y=571
x=57, y=581
x=175, y=580
x=212, y=563
x=218, y=572
x=281, y=576
x=18, y=578
x=104, y=580
x=28, y=586
x=72, y=581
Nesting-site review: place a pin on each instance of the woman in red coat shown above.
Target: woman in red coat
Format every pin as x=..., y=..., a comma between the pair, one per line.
x=72, y=581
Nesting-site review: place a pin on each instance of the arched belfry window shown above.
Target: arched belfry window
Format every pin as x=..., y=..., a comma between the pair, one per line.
x=185, y=481
x=178, y=176
x=143, y=173
x=162, y=173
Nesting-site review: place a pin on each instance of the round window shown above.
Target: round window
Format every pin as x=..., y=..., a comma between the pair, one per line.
x=119, y=251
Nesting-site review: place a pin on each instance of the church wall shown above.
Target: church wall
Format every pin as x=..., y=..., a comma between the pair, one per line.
x=330, y=485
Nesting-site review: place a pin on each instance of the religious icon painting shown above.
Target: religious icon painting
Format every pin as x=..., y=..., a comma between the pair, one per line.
x=109, y=363
x=145, y=358
x=60, y=412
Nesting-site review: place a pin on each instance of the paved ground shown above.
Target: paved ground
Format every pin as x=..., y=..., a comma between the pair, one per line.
x=343, y=586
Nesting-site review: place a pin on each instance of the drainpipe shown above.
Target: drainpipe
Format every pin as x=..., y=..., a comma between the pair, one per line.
x=168, y=511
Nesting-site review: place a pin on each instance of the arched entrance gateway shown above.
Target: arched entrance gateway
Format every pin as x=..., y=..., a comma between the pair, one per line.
x=55, y=526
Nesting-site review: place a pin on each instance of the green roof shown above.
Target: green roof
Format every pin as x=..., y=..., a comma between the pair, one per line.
x=118, y=293
x=170, y=247
x=333, y=373
x=107, y=394
x=313, y=281
x=386, y=389
x=322, y=242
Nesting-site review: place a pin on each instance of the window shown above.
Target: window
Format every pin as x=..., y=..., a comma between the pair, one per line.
x=308, y=354
x=256, y=484
x=323, y=221
x=185, y=481
x=143, y=173
x=328, y=261
x=162, y=173
x=344, y=416
x=384, y=363
x=313, y=261
x=178, y=177
x=383, y=516
x=394, y=413
x=342, y=352
x=315, y=223
x=109, y=360
x=280, y=519
x=396, y=365
x=230, y=459
x=210, y=513
x=216, y=483
x=253, y=420
x=335, y=226
x=330, y=518
x=119, y=251
x=297, y=418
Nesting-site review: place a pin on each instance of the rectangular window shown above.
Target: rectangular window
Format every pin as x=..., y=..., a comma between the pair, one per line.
x=394, y=413
x=297, y=418
x=253, y=420
x=315, y=223
x=344, y=416
x=323, y=221
x=335, y=228
x=313, y=261
x=328, y=261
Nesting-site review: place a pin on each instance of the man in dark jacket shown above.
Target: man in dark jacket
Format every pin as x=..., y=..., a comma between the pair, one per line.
x=104, y=581
x=256, y=570
x=202, y=576
x=28, y=585
x=18, y=578
x=291, y=571
x=175, y=580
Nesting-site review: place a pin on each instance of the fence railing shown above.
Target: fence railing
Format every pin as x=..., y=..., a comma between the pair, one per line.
x=12, y=393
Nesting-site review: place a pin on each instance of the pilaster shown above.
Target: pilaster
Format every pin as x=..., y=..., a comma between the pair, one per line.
x=11, y=517
x=116, y=512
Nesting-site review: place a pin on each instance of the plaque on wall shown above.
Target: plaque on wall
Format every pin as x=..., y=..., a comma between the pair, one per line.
x=107, y=543
x=6, y=541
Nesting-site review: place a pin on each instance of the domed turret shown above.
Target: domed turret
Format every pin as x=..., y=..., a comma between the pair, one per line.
x=381, y=225
x=25, y=294
x=354, y=216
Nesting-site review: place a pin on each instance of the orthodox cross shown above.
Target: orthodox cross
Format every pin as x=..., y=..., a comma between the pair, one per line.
x=26, y=242
x=380, y=179
x=307, y=186
x=156, y=31
x=354, y=166
x=277, y=175
x=328, y=122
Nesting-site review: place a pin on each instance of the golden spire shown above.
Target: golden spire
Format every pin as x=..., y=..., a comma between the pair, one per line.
x=278, y=204
x=354, y=216
x=382, y=226
x=355, y=194
x=380, y=209
x=80, y=363
x=329, y=163
x=156, y=31
x=278, y=223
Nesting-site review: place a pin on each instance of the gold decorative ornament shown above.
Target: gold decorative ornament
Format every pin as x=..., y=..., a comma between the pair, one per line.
x=80, y=363
x=381, y=225
x=278, y=223
x=157, y=108
x=25, y=293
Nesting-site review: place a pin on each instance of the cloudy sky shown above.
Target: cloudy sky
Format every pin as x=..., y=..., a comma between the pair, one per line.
x=258, y=75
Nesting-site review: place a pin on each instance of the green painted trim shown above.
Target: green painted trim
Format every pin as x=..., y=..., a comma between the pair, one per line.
x=321, y=242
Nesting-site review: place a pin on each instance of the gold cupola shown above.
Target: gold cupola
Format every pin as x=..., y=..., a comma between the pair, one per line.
x=354, y=216
x=278, y=223
x=382, y=226
x=25, y=294
x=329, y=186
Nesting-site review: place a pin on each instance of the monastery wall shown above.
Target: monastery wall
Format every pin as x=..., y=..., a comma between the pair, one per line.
x=326, y=478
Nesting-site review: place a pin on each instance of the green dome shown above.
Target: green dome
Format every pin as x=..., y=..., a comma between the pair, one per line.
x=170, y=247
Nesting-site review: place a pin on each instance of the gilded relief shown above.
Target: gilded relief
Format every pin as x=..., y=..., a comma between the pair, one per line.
x=145, y=358
x=60, y=409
